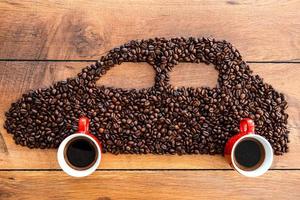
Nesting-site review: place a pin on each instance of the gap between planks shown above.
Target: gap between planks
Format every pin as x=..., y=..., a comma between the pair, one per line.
x=138, y=170
x=70, y=60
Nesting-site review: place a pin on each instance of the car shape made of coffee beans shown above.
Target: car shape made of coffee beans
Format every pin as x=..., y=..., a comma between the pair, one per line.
x=160, y=119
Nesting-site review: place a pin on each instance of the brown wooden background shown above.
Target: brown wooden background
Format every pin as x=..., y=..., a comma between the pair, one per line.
x=42, y=42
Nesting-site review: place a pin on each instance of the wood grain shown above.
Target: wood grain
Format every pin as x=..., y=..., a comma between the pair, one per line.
x=104, y=185
x=18, y=77
x=70, y=29
x=84, y=30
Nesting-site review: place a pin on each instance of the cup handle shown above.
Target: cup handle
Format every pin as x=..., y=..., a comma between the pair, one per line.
x=246, y=126
x=83, y=125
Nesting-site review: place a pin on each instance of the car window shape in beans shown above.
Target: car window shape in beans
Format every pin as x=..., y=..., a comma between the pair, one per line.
x=159, y=119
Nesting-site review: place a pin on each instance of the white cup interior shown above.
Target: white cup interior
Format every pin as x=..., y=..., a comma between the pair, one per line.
x=63, y=163
x=266, y=164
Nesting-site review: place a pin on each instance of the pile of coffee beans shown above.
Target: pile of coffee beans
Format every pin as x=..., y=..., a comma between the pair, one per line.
x=161, y=119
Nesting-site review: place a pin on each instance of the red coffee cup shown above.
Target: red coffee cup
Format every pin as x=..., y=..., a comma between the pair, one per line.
x=248, y=153
x=80, y=154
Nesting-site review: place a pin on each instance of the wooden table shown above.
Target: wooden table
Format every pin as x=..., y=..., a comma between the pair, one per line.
x=44, y=42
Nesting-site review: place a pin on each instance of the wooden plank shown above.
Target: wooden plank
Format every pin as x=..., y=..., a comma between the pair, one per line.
x=87, y=29
x=18, y=77
x=104, y=185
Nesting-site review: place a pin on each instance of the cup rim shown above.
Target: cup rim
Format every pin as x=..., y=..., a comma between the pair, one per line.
x=64, y=165
x=267, y=160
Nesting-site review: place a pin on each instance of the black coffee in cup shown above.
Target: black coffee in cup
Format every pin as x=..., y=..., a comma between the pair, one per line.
x=249, y=154
x=81, y=153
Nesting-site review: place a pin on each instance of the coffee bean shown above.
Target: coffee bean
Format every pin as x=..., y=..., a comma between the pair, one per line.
x=147, y=103
x=101, y=130
x=160, y=119
x=242, y=96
